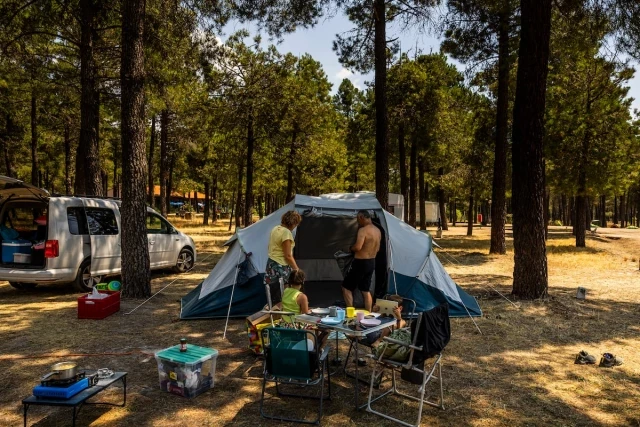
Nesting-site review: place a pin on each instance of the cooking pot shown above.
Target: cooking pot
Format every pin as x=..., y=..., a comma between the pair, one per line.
x=61, y=371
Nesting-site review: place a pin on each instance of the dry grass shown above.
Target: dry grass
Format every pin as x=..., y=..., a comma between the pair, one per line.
x=520, y=371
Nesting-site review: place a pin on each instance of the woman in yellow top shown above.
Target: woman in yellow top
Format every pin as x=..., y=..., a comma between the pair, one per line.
x=281, y=262
x=294, y=300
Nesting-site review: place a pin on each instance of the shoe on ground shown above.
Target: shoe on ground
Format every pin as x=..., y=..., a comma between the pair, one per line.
x=361, y=362
x=609, y=360
x=584, y=358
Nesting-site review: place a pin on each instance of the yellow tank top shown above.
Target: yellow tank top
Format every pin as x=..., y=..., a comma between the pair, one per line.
x=290, y=303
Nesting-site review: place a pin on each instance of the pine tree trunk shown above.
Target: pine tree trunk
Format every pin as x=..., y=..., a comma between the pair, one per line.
x=67, y=157
x=231, y=214
x=206, y=203
x=470, y=214
x=88, y=173
x=135, y=253
x=260, y=210
x=116, y=190
x=454, y=213
x=214, y=198
x=7, y=148
x=152, y=146
x=421, y=192
x=164, y=160
x=239, y=193
x=413, y=184
x=34, y=140
x=530, y=276
x=615, y=209
x=248, y=198
x=402, y=160
x=382, y=137
x=169, y=188
x=547, y=197
x=441, y=201
x=498, y=207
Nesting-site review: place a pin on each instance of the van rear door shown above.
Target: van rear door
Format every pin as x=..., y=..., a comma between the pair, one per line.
x=103, y=220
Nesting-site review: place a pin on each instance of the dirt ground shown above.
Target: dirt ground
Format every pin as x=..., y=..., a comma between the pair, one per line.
x=519, y=371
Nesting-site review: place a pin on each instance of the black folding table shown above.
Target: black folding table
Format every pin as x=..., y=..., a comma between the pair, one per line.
x=80, y=399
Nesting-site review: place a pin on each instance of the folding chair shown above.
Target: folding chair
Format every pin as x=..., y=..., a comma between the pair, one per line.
x=289, y=361
x=407, y=303
x=430, y=334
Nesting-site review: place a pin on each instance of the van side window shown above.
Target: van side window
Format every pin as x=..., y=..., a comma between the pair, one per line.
x=156, y=224
x=101, y=221
x=77, y=221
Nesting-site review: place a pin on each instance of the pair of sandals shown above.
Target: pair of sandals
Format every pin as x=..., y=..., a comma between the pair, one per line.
x=607, y=360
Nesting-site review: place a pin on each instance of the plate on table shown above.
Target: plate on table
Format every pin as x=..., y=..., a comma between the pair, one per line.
x=320, y=311
x=370, y=322
x=330, y=320
x=372, y=316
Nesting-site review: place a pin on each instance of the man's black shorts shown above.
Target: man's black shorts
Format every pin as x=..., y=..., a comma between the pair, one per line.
x=359, y=275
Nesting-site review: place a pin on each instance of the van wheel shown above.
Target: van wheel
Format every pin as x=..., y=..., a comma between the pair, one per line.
x=184, y=262
x=23, y=286
x=84, y=282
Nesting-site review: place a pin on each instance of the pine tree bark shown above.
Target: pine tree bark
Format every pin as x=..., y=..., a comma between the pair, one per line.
x=34, y=140
x=441, y=201
x=164, y=160
x=421, y=192
x=382, y=136
x=615, y=209
x=116, y=190
x=402, y=160
x=214, y=198
x=470, y=214
x=88, y=173
x=206, y=203
x=152, y=145
x=169, y=187
x=248, y=194
x=413, y=184
x=136, y=275
x=530, y=276
x=6, y=147
x=498, y=196
x=67, y=157
x=239, y=193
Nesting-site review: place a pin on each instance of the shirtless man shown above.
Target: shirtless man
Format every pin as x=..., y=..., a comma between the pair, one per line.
x=364, y=263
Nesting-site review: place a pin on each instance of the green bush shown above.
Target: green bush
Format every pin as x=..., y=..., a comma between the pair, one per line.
x=509, y=218
x=557, y=222
x=632, y=227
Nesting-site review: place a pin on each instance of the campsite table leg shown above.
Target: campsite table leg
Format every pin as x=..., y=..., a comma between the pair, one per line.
x=357, y=376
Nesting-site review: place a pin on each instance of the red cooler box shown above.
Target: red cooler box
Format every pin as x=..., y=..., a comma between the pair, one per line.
x=98, y=308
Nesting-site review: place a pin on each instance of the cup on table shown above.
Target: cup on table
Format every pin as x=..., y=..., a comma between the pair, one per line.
x=340, y=314
x=333, y=311
x=360, y=316
x=351, y=311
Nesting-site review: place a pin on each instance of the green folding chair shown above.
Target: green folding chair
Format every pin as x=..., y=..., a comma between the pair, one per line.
x=288, y=361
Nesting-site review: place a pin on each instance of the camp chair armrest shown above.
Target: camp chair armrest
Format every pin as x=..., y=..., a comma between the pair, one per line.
x=404, y=344
x=324, y=353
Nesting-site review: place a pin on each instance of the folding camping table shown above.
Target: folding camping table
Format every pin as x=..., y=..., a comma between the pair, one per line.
x=80, y=399
x=345, y=329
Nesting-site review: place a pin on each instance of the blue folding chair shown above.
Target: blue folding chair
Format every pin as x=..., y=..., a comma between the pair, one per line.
x=288, y=360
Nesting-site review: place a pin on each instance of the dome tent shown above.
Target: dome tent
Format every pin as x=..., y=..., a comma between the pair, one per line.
x=235, y=288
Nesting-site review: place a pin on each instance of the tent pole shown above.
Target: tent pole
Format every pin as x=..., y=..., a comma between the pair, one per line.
x=235, y=279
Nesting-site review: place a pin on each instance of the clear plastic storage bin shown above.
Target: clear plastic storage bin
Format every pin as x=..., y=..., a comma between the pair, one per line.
x=188, y=373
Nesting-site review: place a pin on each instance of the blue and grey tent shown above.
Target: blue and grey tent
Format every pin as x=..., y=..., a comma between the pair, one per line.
x=408, y=267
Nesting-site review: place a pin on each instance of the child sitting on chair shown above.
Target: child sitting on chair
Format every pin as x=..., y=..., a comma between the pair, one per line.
x=293, y=299
x=375, y=338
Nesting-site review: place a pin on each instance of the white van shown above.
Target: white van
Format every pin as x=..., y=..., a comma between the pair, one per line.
x=51, y=239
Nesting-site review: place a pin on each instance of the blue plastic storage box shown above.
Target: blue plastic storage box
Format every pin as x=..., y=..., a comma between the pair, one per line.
x=10, y=247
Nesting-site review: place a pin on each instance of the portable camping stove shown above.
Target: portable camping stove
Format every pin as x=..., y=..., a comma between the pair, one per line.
x=64, y=389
